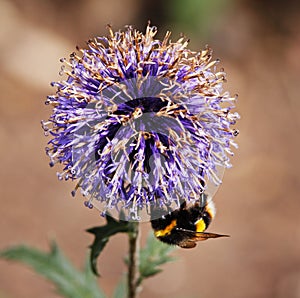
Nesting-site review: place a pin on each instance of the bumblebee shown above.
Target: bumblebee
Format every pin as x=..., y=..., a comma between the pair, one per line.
x=185, y=226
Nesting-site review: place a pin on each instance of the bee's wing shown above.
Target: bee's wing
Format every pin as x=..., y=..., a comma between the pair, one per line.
x=193, y=237
x=199, y=236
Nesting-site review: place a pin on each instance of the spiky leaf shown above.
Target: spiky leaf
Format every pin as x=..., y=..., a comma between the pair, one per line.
x=153, y=256
x=102, y=235
x=69, y=281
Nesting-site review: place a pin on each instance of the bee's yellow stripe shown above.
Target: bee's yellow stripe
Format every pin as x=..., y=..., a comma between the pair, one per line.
x=167, y=230
x=200, y=225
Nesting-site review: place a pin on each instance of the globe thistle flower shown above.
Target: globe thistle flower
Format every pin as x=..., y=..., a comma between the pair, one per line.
x=139, y=121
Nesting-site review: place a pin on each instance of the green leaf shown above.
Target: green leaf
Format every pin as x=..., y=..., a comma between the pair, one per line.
x=102, y=235
x=57, y=268
x=153, y=256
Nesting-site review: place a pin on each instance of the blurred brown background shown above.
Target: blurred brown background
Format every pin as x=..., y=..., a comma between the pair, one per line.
x=258, y=204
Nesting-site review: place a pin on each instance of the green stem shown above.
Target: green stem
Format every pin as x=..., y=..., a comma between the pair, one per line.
x=133, y=261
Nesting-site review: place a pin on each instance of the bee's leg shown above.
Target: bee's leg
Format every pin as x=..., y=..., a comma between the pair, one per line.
x=183, y=205
x=187, y=244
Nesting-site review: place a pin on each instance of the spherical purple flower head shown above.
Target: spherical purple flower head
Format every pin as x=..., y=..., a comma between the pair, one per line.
x=140, y=122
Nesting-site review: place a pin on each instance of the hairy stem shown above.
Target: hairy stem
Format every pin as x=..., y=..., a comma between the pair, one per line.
x=133, y=260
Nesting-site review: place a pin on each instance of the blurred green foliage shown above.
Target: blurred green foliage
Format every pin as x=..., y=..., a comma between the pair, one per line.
x=54, y=266
x=197, y=16
x=73, y=283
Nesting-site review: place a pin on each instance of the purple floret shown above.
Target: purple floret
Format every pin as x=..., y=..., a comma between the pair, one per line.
x=139, y=121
